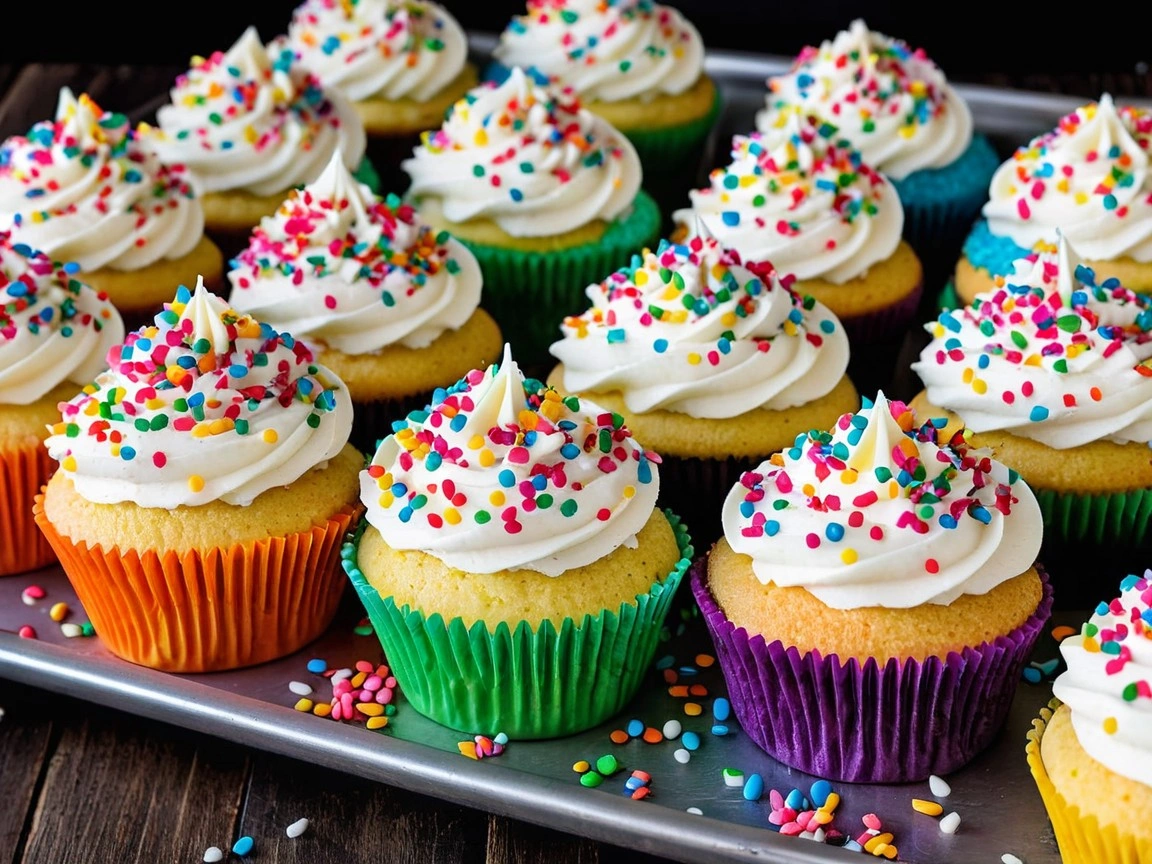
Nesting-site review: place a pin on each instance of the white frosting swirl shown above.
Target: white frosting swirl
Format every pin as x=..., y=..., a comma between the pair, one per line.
x=206, y=405
x=243, y=121
x=892, y=103
x=1048, y=355
x=82, y=189
x=53, y=328
x=529, y=158
x=689, y=328
x=1108, y=683
x=606, y=51
x=877, y=513
x=337, y=266
x=1087, y=178
x=503, y=475
x=808, y=205
x=389, y=49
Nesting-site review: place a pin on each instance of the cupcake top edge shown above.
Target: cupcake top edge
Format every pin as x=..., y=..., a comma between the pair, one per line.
x=880, y=511
x=377, y=49
x=891, y=101
x=338, y=266
x=205, y=404
x=54, y=329
x=688, y=327
x=1052, y=353
x=1107, y=685
x=606, y=51
x=502, y=473
x=527, y=156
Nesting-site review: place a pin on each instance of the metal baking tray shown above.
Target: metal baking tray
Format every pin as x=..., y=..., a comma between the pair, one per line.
x=534, y=781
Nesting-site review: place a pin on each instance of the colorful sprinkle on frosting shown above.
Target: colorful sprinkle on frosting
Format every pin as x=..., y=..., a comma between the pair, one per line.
x=502, y=473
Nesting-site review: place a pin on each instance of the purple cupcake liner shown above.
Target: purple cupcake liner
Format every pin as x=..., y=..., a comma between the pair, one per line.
x=864, y=723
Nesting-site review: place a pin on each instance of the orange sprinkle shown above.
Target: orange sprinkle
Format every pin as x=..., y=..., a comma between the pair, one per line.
x=618, y=736
x=704, y=660
x=697, y=690
x=1063, y=632
x=680, y=691
x=652, y=735
x=693, y=709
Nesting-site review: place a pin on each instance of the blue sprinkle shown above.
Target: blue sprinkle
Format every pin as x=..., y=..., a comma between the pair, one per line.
x=795, y=800
x=753, y=787
x=458, y=422
x=568, y=451
x=691, y=741
x=819, y=792
x=1038, y=413
x=406, y=514
x=771, y=527
x=747, y=508
x=317, y=666
x=660, y=346
x=827, y=326
x=539, y=482
x=719, y=730
x=834, y=532
x=731, y=218
x=399, y=490
x=721, y=709
x=666, y=662
x=432, y=460
x=635, y=728
x=507, y=479
x=127, y=453
x=1031, y=675
x=243, y=846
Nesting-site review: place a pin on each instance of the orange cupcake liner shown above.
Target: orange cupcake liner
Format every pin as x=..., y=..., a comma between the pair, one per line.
x=23, y=471
x=208, y=610
x=1081, y=838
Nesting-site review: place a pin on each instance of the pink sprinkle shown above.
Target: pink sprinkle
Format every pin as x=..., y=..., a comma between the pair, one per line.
x=26, y=632
x=518, y=455
x=871, y=820
x=329, y=301
x=813, y=540
x=159, y=459
x=1023, y=209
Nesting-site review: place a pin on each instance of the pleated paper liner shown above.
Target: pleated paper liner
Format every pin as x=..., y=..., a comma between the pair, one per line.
x=203, y=611
x=866, y=723
x=557, y=680
x=696, y=489
x=372, y=421
x=23, y=471
x=530, y=293
x=875, y=340
x=1080, y=838
x=947, y=299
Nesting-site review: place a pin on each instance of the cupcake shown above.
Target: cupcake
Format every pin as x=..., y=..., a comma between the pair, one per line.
x=1087, y=178
x=249, y=127
x=204, y=487
x=54, y=334
x=1091, y=754
x=1051, y=371
x=874, y=598
x=511, y=558
x=713, y=363
x=810, y=206
x=83, y=189
x=386, y=302
x=544, y=193
x=637, y=64
x=401, y=64
x=895, y=106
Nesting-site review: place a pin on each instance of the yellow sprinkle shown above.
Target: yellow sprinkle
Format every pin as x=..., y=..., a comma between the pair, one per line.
x=196, y=483
x=581, y=767
x=728, y=319
x=822, y=817
x=876, y=841
x=980, y=386
x=387, y=500
x=808, y=489
x=452, y=516
x=322, y=709
x=475, y=442
x=481, y=138
x=967, y=375
x=487, y=458
x=358, y=679
x=153, y=404
x=848, y=476
x=693, y=359
x=303, y=704
x=377, y=722
x=1081, y=198
x=467, y=748
x=1110, y=725
x=928, y=808
x=849, y=556
x=640, y=278
x=1091, y=645
x=692, y=709
x=496, y=499
x=370, y=709
x=270, y=436
x=58, y=612
x=629, y=491
x=831, y=802
x=69, y=463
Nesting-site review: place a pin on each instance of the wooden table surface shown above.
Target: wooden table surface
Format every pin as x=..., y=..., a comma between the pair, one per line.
x=81, y=783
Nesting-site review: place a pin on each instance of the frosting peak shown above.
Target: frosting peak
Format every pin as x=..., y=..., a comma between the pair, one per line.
x=802, y=200
x=880, y=512
x=691, y=328
x=501, y=473
x=206, y=404
x=528, y=157
x=1108, y=683
x=242, y=119
x=891, y=102
x=336, y=265
x=82, y=189
x=53, y=328
x=1050, y=354
x=1088, y=177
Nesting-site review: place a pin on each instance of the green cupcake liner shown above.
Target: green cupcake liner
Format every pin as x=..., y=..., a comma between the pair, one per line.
x=557, y=680
x=1116, y=518
x=530, y=293
x=367, y=174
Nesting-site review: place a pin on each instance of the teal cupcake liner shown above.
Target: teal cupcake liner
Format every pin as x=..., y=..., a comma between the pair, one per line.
x=559, y=679
x=948, y=298
x=530, y=293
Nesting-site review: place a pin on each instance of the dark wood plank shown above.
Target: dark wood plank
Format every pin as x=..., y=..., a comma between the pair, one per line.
x=513, y=842
x=131, y=790
x=25, y=743
x=353, y=821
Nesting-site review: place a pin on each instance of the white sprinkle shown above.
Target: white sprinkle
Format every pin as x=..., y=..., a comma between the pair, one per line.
x=1009, y=858
x=71, y=630
x=682, y=756
x=818, y=835
x=950, y=823
x=1, y=713
x=341, y=674
x=939, y=786
x=672, y=729
x=297, y=828
x=695, y=811
x=28, y=599
x=300, y=688
x=213, y=854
